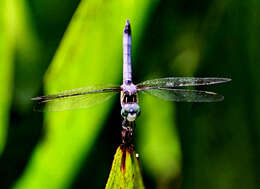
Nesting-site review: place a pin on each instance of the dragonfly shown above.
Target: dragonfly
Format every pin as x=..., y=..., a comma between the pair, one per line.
x=165, y=88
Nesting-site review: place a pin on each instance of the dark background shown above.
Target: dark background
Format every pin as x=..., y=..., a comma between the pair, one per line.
x=219, y=142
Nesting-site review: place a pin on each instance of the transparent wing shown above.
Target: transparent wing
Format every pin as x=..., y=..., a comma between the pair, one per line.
x=180, y=82
x=183, y=95
x=74, y=99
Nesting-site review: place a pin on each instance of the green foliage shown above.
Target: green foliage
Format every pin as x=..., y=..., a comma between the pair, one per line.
x=158, y=140
x=215, y=145
x=89, y=54
x=17, y=39
x=6, y=66
x=125, y=172
x=29, y=52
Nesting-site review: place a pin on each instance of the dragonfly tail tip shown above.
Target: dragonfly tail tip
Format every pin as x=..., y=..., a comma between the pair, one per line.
x=127, y=29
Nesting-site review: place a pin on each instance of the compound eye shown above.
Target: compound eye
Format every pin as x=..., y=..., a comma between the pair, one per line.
x=123, y=113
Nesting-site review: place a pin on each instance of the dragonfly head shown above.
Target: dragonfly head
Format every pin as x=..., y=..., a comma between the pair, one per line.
x=130, y=111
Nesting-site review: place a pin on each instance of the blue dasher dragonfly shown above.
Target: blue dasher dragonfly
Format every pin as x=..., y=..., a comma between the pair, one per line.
x=164, y=88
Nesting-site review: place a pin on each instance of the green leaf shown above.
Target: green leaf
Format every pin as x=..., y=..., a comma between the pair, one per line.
x=89, y=54
x=29, y=58
x=6, y=67
x=125, y=172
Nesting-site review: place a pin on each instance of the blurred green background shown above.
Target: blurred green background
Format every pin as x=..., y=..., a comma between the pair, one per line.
x=47, y=46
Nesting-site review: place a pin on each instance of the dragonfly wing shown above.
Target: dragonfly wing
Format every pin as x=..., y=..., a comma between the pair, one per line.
x=171, y=82
x=74, y=99
x=184, y=95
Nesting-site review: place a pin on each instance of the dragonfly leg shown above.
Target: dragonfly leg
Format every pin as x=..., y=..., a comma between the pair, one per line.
x=124, y=124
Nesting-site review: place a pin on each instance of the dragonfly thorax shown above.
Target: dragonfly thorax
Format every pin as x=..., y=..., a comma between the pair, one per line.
x=129, y=102
x=129, y=88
